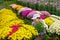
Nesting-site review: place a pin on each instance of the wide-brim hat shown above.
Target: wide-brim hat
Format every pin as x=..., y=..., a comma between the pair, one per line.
x=35, y=16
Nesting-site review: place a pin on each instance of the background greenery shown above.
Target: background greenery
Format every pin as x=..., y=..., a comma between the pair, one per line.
x=50, y=8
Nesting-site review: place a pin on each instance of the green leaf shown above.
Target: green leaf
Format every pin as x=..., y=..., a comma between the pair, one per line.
x=39, y=26
x=46, y=37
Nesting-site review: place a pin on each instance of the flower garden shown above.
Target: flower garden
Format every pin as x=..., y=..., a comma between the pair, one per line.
x=16, y=21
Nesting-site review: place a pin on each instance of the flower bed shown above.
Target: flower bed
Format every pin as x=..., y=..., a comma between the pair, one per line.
x=14, y=28
x=12, y=20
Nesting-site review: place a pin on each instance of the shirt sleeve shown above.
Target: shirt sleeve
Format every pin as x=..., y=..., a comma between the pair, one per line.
x=33, y=23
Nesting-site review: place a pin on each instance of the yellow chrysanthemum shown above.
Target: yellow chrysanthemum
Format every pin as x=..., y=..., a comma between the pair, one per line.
x=31, y=29
x=48, y=21
x=18, y=7
x=24, y=32
x=21, y=33
x=6, y=12
x=4, y=31
x=7, y=19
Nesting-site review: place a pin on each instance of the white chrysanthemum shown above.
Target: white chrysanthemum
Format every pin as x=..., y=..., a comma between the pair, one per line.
x=54, y=16
x=55, y=27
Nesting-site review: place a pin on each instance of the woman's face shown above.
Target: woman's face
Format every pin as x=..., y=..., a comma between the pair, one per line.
x=36, y=20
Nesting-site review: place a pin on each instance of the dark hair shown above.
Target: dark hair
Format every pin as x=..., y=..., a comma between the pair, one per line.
x=38, y=17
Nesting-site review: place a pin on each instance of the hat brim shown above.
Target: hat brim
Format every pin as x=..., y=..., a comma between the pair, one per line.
x=34, y=18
